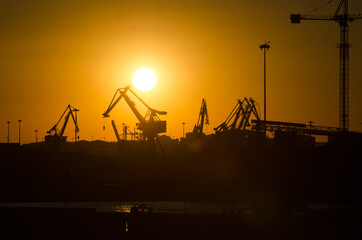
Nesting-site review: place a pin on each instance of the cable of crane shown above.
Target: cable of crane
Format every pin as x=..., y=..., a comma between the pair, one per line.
x=319, y=7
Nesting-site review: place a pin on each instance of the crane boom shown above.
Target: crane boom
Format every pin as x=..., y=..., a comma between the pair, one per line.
x=295, y=18
x=131, y=104
x=343, y=19
x=70, y=113
x=115, y=100
x=239, y=117
x=115, y=130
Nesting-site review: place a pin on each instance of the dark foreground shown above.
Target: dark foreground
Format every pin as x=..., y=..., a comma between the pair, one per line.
x=62, y=223
x=276, y=178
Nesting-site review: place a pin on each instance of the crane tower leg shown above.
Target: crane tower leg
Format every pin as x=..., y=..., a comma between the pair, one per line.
x=344, y=77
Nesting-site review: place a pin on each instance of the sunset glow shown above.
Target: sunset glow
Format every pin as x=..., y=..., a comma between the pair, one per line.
x=86, y=50
x=144, y=79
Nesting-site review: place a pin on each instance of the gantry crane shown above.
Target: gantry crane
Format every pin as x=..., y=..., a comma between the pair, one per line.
x=203, y=119
x=239, y=118
x=343, y=19
x=150, y=125
x=55, y=136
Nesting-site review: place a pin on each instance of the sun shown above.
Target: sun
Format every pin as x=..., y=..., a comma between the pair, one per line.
x=144, y=79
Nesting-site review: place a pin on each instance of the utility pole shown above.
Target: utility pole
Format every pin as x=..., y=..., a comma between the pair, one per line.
x=265, y=47
x=36, y=136
x=19, y=130
x=8, y=122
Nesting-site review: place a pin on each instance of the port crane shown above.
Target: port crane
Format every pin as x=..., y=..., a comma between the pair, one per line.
x=196, y=139
x=343, y=18
x=239, y=118
x=203, y=118
x=55, y=136
x=150, y=125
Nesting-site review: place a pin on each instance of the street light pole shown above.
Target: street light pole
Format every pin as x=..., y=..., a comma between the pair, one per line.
x=310, y=128
x=8, y=122
x=36, y=136
x=19, y=129
x=265, y=47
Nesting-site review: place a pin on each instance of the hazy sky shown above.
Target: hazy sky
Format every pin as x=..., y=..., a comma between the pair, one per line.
x=55, y=53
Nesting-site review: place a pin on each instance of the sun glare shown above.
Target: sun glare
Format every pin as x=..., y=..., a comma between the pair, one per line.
x=144, y=79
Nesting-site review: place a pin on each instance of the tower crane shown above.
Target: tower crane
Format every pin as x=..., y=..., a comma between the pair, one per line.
x=150, y=125
x=55, y=136
x=343, y=19
x=203, y=118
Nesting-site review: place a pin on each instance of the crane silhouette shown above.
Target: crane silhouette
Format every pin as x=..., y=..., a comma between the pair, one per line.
x=343, y=18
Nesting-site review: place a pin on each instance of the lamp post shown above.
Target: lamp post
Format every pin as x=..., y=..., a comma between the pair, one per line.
x=265, y=47
x=8, y=122
x=183, y=129
x=310, y=128
x=19, y=129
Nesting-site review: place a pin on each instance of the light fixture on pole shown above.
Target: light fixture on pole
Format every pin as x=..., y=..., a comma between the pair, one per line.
x=36, y=135
x=265, y=47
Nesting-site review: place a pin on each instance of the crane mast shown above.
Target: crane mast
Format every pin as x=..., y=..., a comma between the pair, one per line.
x=343, y=19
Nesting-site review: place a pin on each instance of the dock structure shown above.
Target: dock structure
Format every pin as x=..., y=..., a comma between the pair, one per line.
x=300, y=128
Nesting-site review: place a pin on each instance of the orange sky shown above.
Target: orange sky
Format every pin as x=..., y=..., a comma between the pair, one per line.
x=55, y=53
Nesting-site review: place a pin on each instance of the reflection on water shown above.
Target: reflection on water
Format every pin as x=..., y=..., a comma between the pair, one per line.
x=181, y=207
x=122, y=208
x=158, y=206
x=126, y=227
